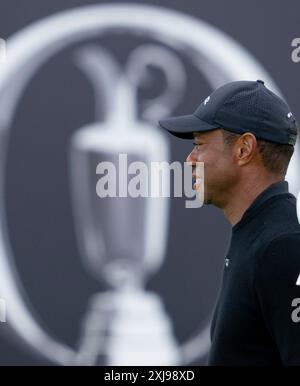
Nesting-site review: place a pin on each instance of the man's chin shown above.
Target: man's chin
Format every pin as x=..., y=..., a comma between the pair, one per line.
x=207, y=201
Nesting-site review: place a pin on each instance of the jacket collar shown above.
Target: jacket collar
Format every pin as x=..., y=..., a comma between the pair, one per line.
x=278, y=188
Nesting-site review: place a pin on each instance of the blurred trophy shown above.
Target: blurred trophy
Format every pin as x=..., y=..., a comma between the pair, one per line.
x=122, y=239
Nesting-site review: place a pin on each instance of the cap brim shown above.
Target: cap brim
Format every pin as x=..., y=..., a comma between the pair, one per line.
x=185, y=126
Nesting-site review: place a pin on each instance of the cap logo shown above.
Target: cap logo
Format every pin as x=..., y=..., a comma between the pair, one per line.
x=289, y=115
x=206, y=100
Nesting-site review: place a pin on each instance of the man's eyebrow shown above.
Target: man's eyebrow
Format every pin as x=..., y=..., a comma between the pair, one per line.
x=199, y=138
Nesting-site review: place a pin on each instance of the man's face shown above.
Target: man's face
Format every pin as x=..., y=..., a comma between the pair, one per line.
x=220, y=171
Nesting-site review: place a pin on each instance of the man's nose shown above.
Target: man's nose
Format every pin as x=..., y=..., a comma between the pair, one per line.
x=190, y=158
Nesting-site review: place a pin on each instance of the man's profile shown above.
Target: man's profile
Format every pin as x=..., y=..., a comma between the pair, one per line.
x=245, y=135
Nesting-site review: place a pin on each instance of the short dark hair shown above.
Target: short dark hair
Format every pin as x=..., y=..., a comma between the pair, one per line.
x=275, y=156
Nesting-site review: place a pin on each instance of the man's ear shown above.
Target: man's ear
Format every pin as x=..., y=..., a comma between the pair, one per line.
x=245, y=148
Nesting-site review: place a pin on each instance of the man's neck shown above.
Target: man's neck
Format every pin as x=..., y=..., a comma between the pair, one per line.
x=243, y=196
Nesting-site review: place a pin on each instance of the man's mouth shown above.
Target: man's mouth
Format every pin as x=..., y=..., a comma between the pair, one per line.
x=196, y=181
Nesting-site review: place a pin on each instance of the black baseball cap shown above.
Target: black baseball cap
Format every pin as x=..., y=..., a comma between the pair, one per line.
x=239, y=107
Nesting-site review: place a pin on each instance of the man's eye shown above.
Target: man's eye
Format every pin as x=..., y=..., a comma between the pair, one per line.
x=197, y=144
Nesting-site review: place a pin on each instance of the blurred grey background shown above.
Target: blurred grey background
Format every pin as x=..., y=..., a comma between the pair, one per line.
x=57, y=102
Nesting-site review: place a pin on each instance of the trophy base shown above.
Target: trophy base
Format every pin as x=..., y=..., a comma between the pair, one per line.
x=127, y=328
